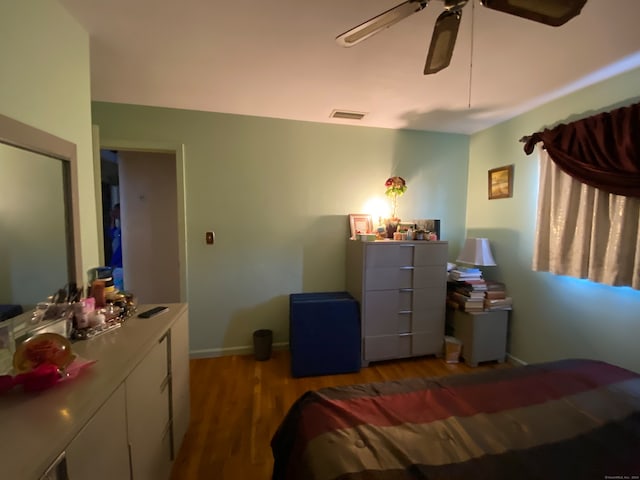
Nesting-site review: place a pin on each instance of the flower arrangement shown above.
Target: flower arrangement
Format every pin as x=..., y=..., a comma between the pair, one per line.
x=396, y=186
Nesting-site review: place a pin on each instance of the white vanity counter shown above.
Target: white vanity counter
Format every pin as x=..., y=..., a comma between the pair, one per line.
x=35, y=428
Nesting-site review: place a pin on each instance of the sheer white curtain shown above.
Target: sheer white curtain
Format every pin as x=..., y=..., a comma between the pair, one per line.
x=584, y=232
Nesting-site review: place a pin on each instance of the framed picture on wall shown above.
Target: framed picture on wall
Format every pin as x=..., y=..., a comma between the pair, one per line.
x=501, y=182
x=360, y=223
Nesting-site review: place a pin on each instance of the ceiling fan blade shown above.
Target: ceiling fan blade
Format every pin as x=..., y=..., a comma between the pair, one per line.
x=380, y=22
x=549, y=12
x=442, y=41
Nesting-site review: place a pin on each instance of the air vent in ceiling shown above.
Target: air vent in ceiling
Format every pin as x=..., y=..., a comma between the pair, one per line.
x=348, y=115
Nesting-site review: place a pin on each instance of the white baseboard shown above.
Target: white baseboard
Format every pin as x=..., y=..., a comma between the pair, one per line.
x=248, y=350
x=228, y=351
x=516, y=360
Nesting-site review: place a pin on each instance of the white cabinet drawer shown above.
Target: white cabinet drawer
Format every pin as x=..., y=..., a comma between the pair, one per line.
x=147, y=392
x=99, y=451
x=433, y=276
x=387, y=346
x=388, y=278
x=430, y=254
x=389, y=255
x=405, y=277
x=390, y=312
x=427, y=343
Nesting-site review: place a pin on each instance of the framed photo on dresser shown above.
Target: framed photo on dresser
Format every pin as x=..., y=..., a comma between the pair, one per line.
x=360, y=223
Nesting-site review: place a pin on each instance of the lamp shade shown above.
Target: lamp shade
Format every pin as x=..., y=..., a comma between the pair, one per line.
x=476, y=251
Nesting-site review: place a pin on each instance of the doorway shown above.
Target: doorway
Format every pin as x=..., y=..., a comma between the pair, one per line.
x=142, y=187
x=111, y=228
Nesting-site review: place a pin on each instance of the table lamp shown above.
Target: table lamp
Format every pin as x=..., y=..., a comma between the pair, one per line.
x=477, y=251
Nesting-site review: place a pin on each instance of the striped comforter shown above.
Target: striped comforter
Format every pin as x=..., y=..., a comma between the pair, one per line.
x=571, y=419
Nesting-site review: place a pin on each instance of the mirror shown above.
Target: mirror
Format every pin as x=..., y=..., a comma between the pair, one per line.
x=40, y=239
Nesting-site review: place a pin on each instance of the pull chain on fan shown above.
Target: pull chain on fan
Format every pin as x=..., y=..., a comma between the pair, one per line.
x=443, y=39
x=473, y=24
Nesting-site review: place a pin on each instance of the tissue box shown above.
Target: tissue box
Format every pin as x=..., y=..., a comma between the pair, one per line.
x=367, y=237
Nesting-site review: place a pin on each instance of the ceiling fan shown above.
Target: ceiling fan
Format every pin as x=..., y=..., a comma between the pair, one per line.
x=549, y=12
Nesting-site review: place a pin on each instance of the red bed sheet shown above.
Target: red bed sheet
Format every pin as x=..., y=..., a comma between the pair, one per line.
x=569, y=419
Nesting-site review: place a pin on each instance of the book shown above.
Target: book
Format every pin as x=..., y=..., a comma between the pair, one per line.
x=492, y=285
x=498, y=303
x=468, y=269
x=465, y=302
x=475, y=285
x=477, y=289
x=470, y=292
x=473, y=307
x=458, y=275
x=495, y=294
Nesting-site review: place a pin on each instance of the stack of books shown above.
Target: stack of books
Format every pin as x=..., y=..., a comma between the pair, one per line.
x=469, y=292
x=467, y=295
x=464, y=273
x=495, y=297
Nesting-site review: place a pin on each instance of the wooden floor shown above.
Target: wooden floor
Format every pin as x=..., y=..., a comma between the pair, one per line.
x=237, y=403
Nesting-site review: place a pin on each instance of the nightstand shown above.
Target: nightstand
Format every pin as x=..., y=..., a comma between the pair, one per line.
x=483, y=335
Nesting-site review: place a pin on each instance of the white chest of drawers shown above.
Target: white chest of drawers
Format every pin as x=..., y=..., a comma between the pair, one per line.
x=401, y=287
x=126, y=414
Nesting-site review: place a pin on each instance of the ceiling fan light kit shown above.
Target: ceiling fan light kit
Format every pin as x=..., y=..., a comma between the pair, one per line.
x=549, y=12
x=443, y=40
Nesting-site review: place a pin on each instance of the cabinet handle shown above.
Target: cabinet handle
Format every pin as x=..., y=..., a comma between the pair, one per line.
x=164, y=337
x=410, y=245
x=130, y=460
x=405, y=289
x=165, y=383
x=58, y=469
x=407, y=268
x=167, y=429
x=405, y=312
x=404, y=334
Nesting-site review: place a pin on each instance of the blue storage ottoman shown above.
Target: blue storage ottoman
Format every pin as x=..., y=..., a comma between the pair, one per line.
x=324, y=333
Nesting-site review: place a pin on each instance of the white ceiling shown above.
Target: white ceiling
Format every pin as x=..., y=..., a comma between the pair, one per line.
x=279, y=59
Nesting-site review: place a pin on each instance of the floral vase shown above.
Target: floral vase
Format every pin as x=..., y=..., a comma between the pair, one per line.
x=392, y=226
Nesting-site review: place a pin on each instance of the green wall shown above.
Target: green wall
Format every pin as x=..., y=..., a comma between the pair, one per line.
x=44, y=83
x=277, y=193
x=553, y=316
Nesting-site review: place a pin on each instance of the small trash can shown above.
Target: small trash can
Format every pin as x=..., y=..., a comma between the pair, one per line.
x=262, y=340
x=452, y=349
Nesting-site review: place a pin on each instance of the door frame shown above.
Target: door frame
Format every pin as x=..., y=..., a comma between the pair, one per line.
x=177, y=149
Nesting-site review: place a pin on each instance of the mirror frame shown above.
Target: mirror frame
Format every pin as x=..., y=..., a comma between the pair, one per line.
x=26, y=137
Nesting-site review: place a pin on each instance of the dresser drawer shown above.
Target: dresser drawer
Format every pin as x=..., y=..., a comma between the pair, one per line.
x=430, y=276
x=389, y=255
x=387, y=278
x=387, y=346
x=385, y=313
x=428, y=253
x=427, y=343
x=396, y=311
x=428, y=299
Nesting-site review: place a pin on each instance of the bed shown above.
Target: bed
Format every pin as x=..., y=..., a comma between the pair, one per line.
x=569, y=419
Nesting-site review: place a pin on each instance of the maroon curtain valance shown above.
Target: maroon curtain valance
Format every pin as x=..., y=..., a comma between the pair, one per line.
x=602, y=151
